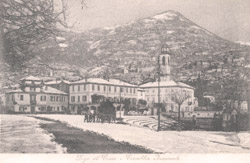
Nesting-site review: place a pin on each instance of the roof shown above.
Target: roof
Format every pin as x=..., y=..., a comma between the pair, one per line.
x=92, y=80
x=14, y=91
x=52, y=82
x=44, y=90
x=48, y=89
x=57, y=82
x=31, y=78
x=169, y=83
x=185, y=85
x=120, y=83
x=103, y=81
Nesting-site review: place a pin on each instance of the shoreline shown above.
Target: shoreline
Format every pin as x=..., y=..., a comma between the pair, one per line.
x=76, y=140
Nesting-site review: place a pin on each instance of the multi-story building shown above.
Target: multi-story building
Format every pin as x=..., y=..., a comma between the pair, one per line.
x=35, y=97
x=82, y=92
x=168, y=88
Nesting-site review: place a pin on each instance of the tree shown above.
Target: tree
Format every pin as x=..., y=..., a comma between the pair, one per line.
x=234, y=89
x=26, y=24
x=179, y=97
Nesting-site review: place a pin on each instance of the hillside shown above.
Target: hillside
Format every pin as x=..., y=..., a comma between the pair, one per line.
x=130, y=51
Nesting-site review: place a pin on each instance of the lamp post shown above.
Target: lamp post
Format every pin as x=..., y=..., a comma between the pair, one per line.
x=159, y=93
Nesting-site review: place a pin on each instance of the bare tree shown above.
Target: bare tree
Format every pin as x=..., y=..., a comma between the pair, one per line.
x=179, y=97
x=25, y=24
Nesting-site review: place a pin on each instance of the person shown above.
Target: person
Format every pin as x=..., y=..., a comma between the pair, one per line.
x=194, y=122
x=86, y=117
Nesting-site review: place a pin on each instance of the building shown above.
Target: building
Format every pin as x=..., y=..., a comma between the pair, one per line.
x=35, y=97
x=62, y=85
x=168, y=88
x=82, y=92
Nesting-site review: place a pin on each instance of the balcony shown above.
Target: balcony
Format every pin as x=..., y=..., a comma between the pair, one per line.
x=33, y=102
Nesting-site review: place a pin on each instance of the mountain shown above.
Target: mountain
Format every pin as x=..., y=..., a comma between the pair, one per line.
x=130, y=51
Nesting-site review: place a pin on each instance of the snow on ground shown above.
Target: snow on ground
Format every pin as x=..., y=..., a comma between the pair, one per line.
x=22, y=134
x=165, y=16
x=63, y=45
x=244, y=139
x=243, y=43
x=149, y=20
x=164, y=141
x=170, y=32
x=95, y=45
x=133, y=42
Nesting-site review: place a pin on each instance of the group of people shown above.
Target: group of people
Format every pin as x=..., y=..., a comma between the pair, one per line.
x=94, y=116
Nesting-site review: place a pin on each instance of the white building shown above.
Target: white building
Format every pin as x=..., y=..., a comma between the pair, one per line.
x=168, y=87
x=82, y=92
x=34, y=97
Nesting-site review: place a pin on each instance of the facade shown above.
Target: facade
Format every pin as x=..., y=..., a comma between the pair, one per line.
x=168, y=87
x=82, y=92
x=35, y=97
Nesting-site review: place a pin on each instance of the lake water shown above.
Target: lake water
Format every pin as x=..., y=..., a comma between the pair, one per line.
x=22, y=134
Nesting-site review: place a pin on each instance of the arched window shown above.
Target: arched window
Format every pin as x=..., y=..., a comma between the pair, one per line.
x=163, y=61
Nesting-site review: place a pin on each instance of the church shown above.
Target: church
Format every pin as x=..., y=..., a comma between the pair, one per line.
x=168, y=88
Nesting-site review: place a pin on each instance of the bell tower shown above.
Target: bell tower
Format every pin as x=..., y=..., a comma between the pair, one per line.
x=164, y=63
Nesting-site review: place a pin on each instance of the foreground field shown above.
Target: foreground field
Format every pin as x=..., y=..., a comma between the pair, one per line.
x=165, y=141
x=22, y=134
x=78, y=141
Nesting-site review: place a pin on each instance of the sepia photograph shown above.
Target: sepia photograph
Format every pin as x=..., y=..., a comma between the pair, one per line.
x=124, y=80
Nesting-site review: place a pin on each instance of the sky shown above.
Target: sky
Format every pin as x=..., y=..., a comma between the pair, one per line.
x=229, y=19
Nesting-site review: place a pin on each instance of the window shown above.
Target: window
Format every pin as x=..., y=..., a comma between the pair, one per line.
x=57, y=98
x=51, y=98
x=98, y=88
x=72, y=98
x=121, y=89
x=109, y=89
x=84, y=86
x=73, y=88
x=32, y=89
x=21, y=97
x=41, y=98
x=78, y=99
x=84, y=98
x=44, y=98
x=93, y=87
x=134, y=90
x=163, y=61
x=32, y=98
x=104, y=88
x=78, y=87
x=58, y=108
x=130, y=90
x=126, y=90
